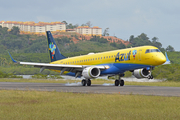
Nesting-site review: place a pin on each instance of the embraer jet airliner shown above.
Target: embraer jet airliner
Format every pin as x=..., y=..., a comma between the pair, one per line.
x=139, y=60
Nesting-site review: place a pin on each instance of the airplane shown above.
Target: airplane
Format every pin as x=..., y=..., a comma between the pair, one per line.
x=139, y=60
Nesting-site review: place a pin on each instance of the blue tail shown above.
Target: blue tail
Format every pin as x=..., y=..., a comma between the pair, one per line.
x=53, y=48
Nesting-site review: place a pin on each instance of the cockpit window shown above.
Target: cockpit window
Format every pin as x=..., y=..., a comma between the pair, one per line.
x=152, y=50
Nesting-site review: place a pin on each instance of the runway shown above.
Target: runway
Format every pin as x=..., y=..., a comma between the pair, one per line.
x=105, y=89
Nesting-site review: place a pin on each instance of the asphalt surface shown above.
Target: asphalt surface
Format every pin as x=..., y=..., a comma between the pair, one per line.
x=106, y=88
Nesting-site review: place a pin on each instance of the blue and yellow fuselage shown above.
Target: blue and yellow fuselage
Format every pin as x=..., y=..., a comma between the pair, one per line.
x=119, y=61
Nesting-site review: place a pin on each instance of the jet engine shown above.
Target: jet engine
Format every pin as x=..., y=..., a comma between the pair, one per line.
x=91, y=72
x=142, y=73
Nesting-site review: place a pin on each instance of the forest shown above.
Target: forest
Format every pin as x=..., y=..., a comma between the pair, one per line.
x=33, y=48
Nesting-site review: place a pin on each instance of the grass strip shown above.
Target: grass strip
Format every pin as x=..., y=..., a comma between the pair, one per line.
x=36, y=105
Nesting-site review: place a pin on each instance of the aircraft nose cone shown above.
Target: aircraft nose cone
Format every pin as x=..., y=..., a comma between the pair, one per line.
x=160, y=59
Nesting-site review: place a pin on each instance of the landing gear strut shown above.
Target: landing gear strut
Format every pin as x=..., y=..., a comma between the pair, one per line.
x=119, y=81
x=84, y=82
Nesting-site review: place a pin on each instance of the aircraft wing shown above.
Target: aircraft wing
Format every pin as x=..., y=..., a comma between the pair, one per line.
x=61, y=67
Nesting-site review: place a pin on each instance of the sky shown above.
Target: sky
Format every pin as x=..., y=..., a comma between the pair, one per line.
x=155, y=18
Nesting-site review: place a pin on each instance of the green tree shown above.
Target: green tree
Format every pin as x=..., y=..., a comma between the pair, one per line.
x=70, y=26
x=65, y=22
x=121, y=46
x=89, y=23
x=15, y=30
x=98, y=39
x=102, y=40
x=4, y=32
x=143, y=36
x=131, y=39
x=170, y=48
x=83, y=25
x=106, y=32
x=113, y=44
x=154, y=39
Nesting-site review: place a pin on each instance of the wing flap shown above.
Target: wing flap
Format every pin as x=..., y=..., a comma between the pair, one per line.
x=50, y=65
x=58, y=66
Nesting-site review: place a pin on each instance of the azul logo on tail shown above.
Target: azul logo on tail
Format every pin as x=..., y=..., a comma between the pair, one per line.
x=52, y=48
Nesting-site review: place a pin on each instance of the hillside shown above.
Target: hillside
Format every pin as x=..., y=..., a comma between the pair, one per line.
x=76, y=37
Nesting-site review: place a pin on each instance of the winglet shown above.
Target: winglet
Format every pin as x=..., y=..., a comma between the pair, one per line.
x=167, y=60
x=12, y=58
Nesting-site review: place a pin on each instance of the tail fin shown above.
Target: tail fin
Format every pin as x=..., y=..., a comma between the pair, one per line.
x=55, y=54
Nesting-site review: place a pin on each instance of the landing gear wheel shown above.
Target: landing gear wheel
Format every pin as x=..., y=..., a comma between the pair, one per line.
x=83, y=82
x=121, y=83
x=116, y=83
x=88, y=82
x=150, y=77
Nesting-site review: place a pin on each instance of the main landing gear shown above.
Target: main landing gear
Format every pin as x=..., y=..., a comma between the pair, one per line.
x=86, y=81
x=119, y=81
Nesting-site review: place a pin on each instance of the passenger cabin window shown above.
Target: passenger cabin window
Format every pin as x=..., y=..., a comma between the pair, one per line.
x=152, y=50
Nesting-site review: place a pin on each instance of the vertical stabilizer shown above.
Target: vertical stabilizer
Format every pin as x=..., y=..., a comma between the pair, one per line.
x=54, y=52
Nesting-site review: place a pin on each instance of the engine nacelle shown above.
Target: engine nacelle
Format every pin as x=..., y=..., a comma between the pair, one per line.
x=91, y=72
x=142, y=73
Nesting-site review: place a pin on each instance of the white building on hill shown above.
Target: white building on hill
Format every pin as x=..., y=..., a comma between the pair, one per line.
x=31, y=27
x=86, y=30
x=36, y=28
